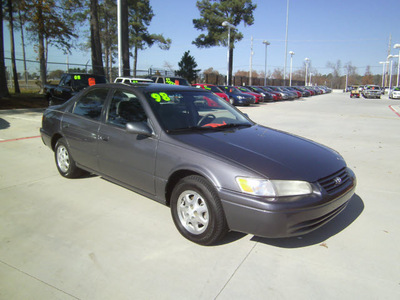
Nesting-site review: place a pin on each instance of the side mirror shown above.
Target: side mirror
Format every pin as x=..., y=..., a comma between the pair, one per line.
x=139, y=128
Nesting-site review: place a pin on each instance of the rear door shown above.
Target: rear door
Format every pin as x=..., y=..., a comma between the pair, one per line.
x=81, y=126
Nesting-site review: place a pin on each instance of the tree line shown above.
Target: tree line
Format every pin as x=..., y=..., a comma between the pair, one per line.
x=58, y=23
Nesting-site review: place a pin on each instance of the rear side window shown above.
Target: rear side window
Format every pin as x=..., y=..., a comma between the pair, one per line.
x=91, y=104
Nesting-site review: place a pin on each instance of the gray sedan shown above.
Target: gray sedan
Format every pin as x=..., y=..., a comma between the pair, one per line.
x=189, y=149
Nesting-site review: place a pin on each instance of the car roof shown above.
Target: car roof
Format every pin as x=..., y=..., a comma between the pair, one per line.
x=149, y=87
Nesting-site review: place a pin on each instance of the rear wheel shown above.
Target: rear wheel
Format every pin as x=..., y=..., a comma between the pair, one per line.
x=197, y=211
x=65, y=163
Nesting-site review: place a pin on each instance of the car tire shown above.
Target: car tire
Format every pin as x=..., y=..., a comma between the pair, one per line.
x=197, y=211
x=66, y=165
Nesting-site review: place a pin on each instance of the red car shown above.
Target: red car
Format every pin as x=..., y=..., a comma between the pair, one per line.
x=259, y=97
x=213, y=88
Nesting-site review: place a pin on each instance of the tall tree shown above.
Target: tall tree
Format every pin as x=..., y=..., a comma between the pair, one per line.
x=50, y=23
x=213, y=13
x=140, y=16
x=108, y=33
x=95, y=43
x=21, y=20
x=351, y=73
x=3, y=78
x=187, y=67
x=12, y=45
x=367, y=78
x=335, y=73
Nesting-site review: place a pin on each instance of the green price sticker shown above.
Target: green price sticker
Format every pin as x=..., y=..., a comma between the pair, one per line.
x=207, y=87
x=160, y=96
x=77, y=77
x=169, y=81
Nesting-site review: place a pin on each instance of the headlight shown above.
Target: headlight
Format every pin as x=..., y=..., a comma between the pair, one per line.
x=273, y=188
x=241, y=97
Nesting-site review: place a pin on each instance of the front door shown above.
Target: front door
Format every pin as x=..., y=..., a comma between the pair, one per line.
x=126, y=157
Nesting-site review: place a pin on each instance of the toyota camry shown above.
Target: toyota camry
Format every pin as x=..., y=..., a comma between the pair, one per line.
x=217, y=170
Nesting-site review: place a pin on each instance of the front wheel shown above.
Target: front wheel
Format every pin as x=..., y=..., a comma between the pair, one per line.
x=65, y=163
x=197, y=211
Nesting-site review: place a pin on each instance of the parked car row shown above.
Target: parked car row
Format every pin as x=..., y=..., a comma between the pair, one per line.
x=71, y=84
x=239, y=95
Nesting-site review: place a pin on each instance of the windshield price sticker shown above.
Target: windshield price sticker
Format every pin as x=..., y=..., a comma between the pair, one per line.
x=77, y=77
x=169, y=81
x=160, y=96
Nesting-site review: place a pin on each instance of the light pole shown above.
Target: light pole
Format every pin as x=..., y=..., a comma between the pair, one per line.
x=383, y=63
x=390, y=72
x=229, y=25
x=266, y=43
x=119, y=8
x=291, y=65
x=397, y=46
x=286, y=41
x=305, y=78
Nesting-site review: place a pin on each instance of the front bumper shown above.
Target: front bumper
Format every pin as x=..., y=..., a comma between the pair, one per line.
x=372, y=95
x=280, y=219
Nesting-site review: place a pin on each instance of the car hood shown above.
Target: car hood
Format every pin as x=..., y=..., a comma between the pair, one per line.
x=269, y=152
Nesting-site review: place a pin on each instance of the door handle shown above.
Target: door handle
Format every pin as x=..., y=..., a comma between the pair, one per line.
x=104, y=138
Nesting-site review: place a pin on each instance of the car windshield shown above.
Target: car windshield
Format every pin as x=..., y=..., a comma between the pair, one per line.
x=176, y=81
x=84, y=80
x=211, y=88
x=214, y=89
x=245, y=90
x=231, y=90
x=194, y=110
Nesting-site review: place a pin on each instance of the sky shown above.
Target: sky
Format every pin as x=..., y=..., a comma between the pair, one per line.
x=352, y=31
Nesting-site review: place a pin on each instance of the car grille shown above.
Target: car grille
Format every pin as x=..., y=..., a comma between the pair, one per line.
x=335, y=182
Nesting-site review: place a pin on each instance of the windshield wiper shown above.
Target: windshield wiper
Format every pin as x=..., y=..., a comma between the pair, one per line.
x=209, y=128
x=233, y=125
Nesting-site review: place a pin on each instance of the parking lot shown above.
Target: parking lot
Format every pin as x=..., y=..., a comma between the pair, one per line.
x=90, y=239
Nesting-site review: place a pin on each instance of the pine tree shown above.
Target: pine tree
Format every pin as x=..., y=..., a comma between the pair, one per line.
x=213, y=13
x=140, y=16
x=187, y=67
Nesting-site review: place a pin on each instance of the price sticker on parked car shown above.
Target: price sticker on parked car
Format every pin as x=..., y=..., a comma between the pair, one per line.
x=160, y=96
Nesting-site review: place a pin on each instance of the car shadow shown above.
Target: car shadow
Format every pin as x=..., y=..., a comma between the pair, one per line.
x=341, y=222
x=4, y=124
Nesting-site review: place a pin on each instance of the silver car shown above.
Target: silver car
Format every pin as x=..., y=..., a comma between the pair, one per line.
x=189, y=149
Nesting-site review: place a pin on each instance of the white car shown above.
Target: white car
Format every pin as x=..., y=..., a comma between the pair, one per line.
x=128, y=79
x=395, y=93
